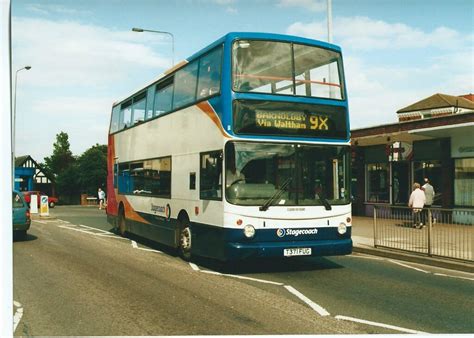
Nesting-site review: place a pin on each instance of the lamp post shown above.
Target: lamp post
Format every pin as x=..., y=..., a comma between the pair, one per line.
x=140, y=30
x=14, y=125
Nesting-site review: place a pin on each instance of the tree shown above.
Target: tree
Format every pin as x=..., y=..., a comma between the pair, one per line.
x=92, y=169
x=67, y=183
x=62, y=157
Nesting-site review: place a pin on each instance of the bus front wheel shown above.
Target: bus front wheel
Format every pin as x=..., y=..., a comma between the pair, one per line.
x=185, y=241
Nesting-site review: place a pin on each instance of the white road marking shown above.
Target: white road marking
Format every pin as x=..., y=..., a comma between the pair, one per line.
x=92, y=228
x=38, y=221
x=392, y=327
x=112, y=236
x=366, y=257
x=18, y=315
x=408, y=266
x=241, y=277
x=149, y=250
x=79, y=230
x=134, y=245
x=319, y=309
x=460, y=277
x=194, y=266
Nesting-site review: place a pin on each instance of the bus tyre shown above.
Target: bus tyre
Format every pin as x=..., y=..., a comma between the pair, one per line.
x=121, y=227
x=185, y=242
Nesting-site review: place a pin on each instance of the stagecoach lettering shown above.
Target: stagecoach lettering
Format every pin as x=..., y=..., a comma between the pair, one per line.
x=157, y=208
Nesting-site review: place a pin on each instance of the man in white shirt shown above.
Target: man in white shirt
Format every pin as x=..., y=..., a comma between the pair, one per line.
x=417, y=201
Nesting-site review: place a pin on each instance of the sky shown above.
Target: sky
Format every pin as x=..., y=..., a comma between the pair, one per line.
x=84, y=55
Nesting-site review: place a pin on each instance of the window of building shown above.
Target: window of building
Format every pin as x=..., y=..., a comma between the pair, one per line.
x=185, y=85
x=139, y=107
x=433, y=171
x=377, y=183
x=163, y=97
x=209, y=74
x=464, y=182
x=210, y=179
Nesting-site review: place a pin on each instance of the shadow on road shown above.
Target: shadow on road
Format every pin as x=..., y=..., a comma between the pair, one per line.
x=268, y=265
x=22, y=238
x=246, y=266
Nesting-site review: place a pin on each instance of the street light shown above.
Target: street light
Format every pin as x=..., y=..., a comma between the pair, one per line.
x=14, y=125
x=140, y=30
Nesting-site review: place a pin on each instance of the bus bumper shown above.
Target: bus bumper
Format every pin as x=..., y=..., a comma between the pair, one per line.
x=237, y=251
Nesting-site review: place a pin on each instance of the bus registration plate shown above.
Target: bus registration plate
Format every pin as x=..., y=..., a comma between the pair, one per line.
x=297, y=252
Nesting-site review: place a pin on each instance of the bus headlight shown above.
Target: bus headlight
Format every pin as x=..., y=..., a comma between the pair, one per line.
x=342, y=228
x=249, y=231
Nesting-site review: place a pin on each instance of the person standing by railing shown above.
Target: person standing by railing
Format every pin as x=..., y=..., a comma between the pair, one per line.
x=417, y=201
x=429, y=195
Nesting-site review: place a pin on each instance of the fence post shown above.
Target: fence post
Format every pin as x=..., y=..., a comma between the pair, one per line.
x=430, y=240
x=375, y=226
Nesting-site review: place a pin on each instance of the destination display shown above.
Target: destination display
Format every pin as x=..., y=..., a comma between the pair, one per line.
x=289, y=119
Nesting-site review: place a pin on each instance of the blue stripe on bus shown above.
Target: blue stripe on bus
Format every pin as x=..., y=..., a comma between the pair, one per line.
x=229, y=37
x=230, y=244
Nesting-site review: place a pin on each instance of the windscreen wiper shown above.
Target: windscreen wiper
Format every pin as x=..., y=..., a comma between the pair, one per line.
x=276, y=195
x=325, y=202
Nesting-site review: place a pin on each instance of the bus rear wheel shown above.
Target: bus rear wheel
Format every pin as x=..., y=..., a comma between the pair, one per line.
x=185, y=241
x=122, y=228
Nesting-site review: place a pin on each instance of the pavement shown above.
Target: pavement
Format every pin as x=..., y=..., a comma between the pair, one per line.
x=363, y=242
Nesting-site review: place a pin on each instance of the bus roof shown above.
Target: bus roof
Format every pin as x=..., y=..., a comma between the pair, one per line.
x=229, y=37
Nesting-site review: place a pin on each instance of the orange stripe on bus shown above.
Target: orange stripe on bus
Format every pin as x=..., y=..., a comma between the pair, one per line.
x=182, y=63
x=209, y=111
x=130, y=213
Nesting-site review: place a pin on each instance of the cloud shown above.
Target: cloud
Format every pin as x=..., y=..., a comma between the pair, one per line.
x=78, y=71
x=228, y=4
x=49, y=9
x=68, y=53
x=391, y=65
x=85, y=120
x=312, y=5
x=364, y=33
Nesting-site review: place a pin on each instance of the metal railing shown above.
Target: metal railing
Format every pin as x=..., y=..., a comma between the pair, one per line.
x=444, y=233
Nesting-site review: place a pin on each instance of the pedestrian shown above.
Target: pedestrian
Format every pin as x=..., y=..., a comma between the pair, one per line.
x=417, y=201
x=101, y=195
x=429, y=194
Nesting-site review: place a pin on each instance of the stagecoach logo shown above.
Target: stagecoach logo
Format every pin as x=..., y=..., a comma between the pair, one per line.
x=281, y=232
x=295, y=232
x=157, y=208
x=162, y=210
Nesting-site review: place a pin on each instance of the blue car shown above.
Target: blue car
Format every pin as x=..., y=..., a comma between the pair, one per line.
x=21, y=215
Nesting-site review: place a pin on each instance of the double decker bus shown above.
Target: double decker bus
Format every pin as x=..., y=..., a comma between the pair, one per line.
x=240, y=151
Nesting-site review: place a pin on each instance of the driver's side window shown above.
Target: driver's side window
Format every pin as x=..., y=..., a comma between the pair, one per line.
x=210, y=175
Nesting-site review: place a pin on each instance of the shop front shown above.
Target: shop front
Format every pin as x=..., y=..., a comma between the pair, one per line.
x=387, y=160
